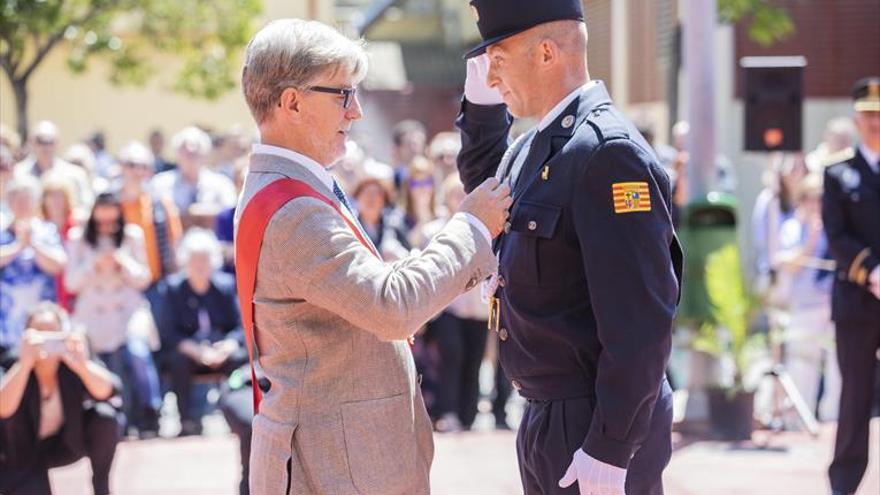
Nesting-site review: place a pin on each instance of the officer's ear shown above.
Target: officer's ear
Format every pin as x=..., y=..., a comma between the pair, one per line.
x=290, y=102
x=548, y=51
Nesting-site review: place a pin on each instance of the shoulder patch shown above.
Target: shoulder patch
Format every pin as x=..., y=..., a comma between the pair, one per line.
x=630, y=197
x=606, y=124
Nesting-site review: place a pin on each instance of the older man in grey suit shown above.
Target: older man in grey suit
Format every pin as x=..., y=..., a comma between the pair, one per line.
x=343, y=413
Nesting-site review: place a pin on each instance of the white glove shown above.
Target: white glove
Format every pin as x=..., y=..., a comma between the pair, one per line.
x=874, y=281
x=476, y=88
x=593, y=477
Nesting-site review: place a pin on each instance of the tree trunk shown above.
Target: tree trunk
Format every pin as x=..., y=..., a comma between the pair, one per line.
x=19, y=87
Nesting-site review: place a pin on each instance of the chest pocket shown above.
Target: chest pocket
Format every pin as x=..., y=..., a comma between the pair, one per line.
x=523, y=255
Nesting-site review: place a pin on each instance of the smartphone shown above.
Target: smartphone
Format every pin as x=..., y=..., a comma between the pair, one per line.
x=54, y=343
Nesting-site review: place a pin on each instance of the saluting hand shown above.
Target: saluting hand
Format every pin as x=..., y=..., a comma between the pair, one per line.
x=476, y=83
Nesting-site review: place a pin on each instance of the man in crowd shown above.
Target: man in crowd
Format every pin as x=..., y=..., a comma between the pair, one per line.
x=44, y=159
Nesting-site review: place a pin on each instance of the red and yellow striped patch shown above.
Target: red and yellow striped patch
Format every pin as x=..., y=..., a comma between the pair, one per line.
x=630, y=197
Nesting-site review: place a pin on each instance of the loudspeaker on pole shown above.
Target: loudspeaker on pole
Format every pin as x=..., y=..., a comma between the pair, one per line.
x=773, y=97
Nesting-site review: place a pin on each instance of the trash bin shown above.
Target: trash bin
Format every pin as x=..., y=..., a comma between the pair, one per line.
x=707, y=225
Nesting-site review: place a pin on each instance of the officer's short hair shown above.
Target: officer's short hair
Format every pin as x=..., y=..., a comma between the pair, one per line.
x=294, y=53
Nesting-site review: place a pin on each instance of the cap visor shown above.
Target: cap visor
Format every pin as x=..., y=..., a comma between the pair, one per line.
x=481, y=48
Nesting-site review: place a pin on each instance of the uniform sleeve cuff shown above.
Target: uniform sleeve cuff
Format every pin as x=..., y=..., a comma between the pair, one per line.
x=486, y=114
x=476, y=223
x=607, y=450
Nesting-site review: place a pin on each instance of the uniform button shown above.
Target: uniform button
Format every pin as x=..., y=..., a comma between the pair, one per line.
x=506, y=227
x=502, y=334
x=533, y=225
x=517, y=385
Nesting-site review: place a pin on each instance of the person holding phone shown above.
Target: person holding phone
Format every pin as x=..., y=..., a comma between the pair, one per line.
x=54, y=409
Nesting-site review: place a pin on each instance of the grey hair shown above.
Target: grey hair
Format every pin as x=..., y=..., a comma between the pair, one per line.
x=25, y=184
x=135, y=152
x=295, y=53
x=192, y=138
x=200, y=240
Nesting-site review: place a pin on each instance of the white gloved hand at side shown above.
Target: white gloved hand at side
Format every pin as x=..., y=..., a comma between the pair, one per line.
x=593, y=476
x=476, y=89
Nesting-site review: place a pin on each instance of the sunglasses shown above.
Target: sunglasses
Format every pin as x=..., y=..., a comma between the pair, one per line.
x=421, y=183
x=347, y=94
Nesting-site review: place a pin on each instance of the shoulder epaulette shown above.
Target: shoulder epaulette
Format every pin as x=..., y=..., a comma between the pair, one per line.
x=839, y=157
x=607, y=125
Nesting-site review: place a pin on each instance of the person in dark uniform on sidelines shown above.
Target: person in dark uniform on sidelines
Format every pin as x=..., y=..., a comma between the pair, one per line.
x=851, y=214
x=589, y=264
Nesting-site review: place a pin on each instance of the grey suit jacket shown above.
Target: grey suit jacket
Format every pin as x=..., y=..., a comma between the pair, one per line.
x=344, y=413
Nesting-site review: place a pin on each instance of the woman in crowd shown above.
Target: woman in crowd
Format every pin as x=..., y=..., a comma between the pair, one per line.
x=419, y=198
x=59, y=208
x=805, y=276
x=31, y=255
x=383, y=226
x=108, y=272
x=202, y=331
x=460, y=333
x=774, y=205
x=53, y=411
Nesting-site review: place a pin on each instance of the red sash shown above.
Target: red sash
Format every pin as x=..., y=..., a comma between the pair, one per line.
x=249, y=241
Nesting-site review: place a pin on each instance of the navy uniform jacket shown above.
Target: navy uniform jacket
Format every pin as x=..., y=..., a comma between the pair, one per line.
x=587, y=295
x=851, y=215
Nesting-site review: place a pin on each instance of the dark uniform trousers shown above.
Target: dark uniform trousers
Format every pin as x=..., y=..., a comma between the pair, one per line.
x=551, y=430
x=851, y=215
x=588, y=284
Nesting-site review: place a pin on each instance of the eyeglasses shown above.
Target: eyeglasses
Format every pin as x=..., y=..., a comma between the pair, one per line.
x=348, y=94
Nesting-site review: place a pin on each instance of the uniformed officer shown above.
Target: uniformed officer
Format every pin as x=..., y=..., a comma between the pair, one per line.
x=589, y=266
x=851, y=213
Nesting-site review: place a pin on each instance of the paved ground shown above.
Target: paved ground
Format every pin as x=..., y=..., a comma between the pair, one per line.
x=484, y=463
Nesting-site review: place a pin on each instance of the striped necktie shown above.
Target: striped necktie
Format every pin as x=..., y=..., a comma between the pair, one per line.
x=340, y=195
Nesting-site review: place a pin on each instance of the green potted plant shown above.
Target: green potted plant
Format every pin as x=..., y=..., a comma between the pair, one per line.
x=726, y=337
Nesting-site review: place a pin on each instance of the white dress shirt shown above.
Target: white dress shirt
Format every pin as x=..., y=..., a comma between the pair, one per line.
x=872, y=158
x=548, y=119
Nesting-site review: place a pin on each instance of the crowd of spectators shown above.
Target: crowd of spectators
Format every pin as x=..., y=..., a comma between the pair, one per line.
x=137, y=246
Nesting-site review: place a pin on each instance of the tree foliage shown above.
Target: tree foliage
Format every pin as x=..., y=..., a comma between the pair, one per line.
x=204, y=35
x=768, y=23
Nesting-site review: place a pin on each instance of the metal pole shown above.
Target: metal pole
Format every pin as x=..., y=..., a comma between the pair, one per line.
x=699, y=37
